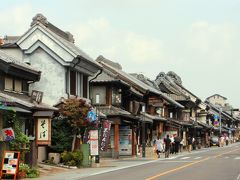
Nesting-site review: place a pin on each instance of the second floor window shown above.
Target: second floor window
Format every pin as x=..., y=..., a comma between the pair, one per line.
x=8, y=84
x=116, y=96
x=78, y=84
x=73, y=83
x=16, y=85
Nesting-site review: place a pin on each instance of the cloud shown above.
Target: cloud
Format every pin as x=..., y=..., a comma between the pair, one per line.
x=142, y=49
x=16, y=19
x=93, y=29
x=98, y=36
x=214, y=42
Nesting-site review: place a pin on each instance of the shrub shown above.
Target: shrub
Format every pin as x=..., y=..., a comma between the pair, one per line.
x=33, y=173
x=72, y=158
x=24, y=167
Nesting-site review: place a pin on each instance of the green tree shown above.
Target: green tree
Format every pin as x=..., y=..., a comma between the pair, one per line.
x=75, y=110
x=61, y=135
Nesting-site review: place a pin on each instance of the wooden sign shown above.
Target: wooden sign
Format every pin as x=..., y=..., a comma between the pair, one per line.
x=10, y=163
x=37, y=96
x=155, y=102
x=43, y=127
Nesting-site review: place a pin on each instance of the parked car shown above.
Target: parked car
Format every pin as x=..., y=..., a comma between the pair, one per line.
x=214, y=141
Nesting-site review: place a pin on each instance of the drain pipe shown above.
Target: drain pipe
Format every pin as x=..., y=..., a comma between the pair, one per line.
x=100, y=72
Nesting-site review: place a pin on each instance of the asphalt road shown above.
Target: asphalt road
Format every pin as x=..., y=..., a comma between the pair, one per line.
x=213, y=164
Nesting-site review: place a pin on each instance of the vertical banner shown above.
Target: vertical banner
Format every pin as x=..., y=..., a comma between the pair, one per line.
x=93, y=140
x=105, y=136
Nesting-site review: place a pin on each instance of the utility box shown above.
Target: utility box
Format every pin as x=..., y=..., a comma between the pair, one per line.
x=85, y=148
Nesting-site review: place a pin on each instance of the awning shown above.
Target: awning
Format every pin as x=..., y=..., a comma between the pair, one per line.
x=43, y=114
x=145, y=118
x=150, y=118
x=182, y=123
x=204, y=125
x=15, y=109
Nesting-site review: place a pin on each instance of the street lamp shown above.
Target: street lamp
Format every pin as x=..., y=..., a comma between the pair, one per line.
x=143, y=133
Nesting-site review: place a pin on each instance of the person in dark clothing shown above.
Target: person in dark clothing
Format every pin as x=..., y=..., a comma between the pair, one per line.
x=177, y=141
x=190, y=144
x=167, y=146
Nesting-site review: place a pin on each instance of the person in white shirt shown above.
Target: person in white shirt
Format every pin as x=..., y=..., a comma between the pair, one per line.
x=158, y=146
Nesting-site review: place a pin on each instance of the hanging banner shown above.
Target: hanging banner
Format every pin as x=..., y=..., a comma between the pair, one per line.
x=105, y=137
x=93, y=140
x=8, y=134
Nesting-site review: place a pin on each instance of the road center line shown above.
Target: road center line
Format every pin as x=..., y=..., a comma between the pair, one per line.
x=187, y=165
x=176, y=169
x=225, y=153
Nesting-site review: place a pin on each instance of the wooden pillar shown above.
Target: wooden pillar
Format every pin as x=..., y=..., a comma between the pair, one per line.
x=134, y=141
x=116, y=141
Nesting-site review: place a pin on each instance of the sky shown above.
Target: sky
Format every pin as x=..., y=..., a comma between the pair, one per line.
x=197, y=39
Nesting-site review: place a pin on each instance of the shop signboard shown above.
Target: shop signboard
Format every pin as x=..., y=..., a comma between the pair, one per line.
x=125, y=146
x=43, y=131
x=10, y=163
x=93, y=140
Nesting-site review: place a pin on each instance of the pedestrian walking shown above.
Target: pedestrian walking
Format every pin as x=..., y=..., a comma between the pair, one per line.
x=227, y=140
x=181, y=145
x=177, y=141
x=190, y=144
x=158, y=146
x=172, y=144
x=167, y=142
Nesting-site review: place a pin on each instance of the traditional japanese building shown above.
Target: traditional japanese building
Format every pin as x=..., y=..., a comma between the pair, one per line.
x=192, y=120
x=15, y=77
x=122, y=90
x=65, y=68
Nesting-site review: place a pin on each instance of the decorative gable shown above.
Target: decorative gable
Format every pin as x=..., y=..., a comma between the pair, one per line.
x=58, y=44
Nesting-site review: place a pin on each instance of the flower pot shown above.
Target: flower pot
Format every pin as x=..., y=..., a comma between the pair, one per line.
x=21, y=174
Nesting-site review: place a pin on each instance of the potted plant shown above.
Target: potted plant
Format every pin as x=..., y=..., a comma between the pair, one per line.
x=23, y=170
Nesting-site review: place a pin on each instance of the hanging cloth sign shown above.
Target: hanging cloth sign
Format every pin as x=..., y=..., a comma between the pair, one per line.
x=8, y=134
x=105, y=137
x=91, y=116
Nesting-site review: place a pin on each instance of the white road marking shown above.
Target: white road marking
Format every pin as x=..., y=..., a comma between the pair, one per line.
x=238, y=178
x=237, y=157
x=185, y=158
x=176, y=161
x=197, y=157
x=172, y=157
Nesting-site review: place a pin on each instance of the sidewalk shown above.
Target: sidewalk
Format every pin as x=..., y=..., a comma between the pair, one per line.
x=106, y=165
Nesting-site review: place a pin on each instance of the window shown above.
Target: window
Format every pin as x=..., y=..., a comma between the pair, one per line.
x=13, y=84
x=85, y=86
x=8, y=84
x=25, y=86
x=72, y=82
x=101, y=91
x=116, y=96
x=17, y=85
